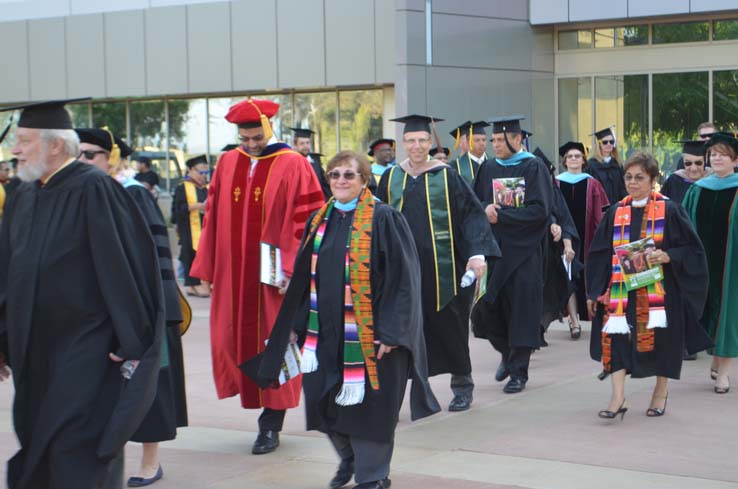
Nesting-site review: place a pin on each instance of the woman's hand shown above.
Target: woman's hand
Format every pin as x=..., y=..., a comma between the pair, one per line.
x=658, y=257
x=384, y=349
x=592, y=308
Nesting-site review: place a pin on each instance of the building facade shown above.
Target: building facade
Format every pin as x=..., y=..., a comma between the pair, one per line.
x=162, y=73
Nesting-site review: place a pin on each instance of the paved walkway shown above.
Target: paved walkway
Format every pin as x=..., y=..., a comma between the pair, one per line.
x=548, y=437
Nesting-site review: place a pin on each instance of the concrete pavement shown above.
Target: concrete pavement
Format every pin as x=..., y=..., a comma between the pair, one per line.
x=547, y=437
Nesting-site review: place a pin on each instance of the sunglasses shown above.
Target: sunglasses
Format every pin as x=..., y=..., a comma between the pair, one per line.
x=687, y=164
x=607, y=141
x=90, y=155
x=706, y=135
x=348, y=175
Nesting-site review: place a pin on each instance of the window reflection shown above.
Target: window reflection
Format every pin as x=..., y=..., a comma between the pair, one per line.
x=361, y=118
x=581, y=39
x=317, y=111
x=222, y=132
x=725, y=99
x=187, y=133
x=622, y=101
x=575, y=109
x=680, y=104
x=148, y=137
x=723, y=30
x=112, y=115
x=680, y=32
x=80, y=114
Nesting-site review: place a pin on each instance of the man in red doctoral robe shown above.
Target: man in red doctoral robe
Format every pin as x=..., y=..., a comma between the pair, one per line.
x=261, y=194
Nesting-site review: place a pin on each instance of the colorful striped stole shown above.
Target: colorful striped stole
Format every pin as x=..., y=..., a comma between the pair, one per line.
x=650, y=312
x=358, y=347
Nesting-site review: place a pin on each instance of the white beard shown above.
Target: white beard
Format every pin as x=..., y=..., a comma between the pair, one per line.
x=29, y=172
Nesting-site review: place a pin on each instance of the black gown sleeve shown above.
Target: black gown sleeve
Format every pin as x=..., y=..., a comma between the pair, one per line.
x=397, y=305
x=4, y=264
x=116, y=226
x=180, y=208
x=599, y=261
x=381, y=189
x=476, y=233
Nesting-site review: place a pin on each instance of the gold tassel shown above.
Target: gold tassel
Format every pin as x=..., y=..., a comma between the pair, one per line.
x=458, y=139
x=114, y=158
x=471, y=139
x=265, y=125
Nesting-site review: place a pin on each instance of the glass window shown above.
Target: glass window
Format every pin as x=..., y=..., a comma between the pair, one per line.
x=361, y=118
x=680, y=104
x=187, y=134
x=575, y=109
x=80, y=114
x=222, y=132
x=622, y=101
x=111, y=114
x=632, y=35
x=604, y=38
x=725, y=99
x=575, y=39
x=680, y=32
x=723, y=30
x=148, y=137
x=9, y=140
x=317, y=111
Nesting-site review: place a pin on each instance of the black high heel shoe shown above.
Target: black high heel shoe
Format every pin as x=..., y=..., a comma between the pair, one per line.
x=656, y=412
x=605, y=414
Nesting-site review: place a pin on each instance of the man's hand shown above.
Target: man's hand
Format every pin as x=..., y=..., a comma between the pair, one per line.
x=4, y=369
x=293, y=337
x=568, y=250
x=478, y=265
x=384, y=349
x=282, y=286
x=556, y=232
x=117, y=359
x=491, y=212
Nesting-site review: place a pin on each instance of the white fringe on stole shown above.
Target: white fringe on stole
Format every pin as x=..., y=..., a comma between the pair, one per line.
x=616, y=325
x=656, y=318
x=309, y=361
x=350, y=395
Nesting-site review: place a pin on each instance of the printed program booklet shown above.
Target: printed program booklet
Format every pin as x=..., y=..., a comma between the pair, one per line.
x=509, y=192
x=633, y=258
x=271, y=265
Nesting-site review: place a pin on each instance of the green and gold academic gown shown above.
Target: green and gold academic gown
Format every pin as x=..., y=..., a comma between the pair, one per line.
x=467, y=166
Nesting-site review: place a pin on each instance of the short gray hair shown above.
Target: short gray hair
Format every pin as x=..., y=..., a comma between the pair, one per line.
x=69, y=136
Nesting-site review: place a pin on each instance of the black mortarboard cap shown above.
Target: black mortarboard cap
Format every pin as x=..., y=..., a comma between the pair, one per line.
x=696, y=148
x=376, y=143
x=196, y=160
x=228, y=147
x=510, y=123
x=316, y=156
x=564, y=148
x=416, y=122
x=95, y=136
x=460, y=130
x=125, y=150
x=44, y=115
x=478, y=127
x=542, y=156
x=435, y=150
x=603, y=133
x=725, y=138
x=526, y=134
x=302, y=132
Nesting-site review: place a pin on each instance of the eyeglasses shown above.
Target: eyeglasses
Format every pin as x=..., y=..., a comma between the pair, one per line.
x=413, y=142
x=706, y=135
x=637, y=178
x=687, y=164
x=204, y=172
x=90, y=155
x=607, y=141
x=348, y=175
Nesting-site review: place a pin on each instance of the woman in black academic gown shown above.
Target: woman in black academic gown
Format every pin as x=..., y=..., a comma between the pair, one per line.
x=644, y=332
x=604, y=165
x=354, y=389
x=693, y=155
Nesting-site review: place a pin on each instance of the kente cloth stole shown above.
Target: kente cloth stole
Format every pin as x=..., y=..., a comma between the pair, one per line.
x=195, y=225
x=358, y=339
x=438, y=203
x=650, y=312
x=465, y=167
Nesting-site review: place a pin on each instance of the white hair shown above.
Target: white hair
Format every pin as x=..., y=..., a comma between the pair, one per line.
x=69, y=136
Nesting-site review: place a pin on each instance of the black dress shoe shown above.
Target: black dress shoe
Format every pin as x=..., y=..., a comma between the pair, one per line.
x=502, y=372
x=343, y=475
x=266, y=442
x=383, y=484
x=460, y=402
x=514, y=386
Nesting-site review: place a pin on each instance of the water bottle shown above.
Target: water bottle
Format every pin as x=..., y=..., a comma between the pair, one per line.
x=469, y=278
